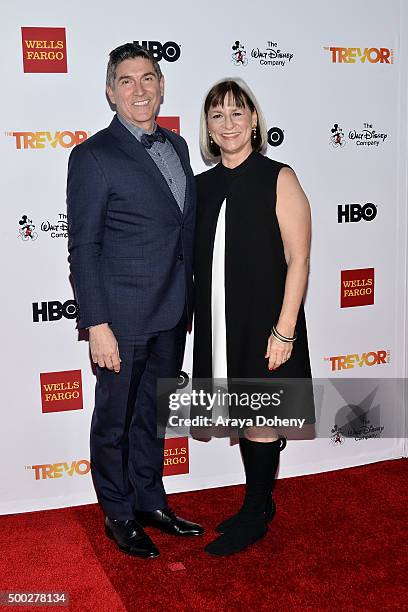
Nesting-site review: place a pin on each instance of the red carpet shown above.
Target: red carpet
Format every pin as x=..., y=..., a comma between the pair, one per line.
x=338, y=542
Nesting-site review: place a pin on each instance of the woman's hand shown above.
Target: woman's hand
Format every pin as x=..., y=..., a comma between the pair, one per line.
x=277, y=352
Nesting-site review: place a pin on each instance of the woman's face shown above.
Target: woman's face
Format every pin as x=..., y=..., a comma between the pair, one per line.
x=231, y=127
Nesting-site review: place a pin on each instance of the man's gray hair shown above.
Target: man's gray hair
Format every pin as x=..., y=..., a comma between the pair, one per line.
x=124, y=52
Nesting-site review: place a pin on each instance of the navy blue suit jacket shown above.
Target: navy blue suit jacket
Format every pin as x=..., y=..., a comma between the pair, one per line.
x=130, y=245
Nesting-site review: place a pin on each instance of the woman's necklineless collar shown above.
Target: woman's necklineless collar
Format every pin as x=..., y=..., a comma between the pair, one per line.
x=240, y=167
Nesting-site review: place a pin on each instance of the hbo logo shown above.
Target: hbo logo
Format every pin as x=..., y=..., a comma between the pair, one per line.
x=170, y=51
x=351, y=213
x=54, y=311
x=182, y=380
x=275, y=136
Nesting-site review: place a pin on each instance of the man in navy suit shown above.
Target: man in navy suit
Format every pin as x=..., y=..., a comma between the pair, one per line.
x=131, y=211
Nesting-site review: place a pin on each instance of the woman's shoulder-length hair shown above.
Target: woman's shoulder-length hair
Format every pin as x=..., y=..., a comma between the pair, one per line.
x=242, y=96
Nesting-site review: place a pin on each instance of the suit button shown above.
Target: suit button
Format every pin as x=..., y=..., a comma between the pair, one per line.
x=180, y=257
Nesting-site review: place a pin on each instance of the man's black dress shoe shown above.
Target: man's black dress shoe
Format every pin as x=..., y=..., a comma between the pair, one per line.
x=167, y=521
x=130, y=538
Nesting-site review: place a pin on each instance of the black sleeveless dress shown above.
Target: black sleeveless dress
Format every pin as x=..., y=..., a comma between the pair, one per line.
x=255, y=274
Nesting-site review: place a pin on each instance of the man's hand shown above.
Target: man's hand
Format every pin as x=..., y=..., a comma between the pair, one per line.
x=104, y=347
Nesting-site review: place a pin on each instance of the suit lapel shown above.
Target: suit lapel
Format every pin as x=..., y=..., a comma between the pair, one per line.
x=132, y=147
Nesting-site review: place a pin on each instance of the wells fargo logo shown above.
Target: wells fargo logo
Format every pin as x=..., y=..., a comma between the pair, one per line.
x=58, y=470
x=370, y=55
x=169, y=123
x=61, y=391
x=354, y=360
x=357, y=287
x=41, y=140
x=176, y=456
x=44, y=49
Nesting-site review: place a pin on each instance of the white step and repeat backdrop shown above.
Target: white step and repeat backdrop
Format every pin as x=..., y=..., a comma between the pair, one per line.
x=331, y=80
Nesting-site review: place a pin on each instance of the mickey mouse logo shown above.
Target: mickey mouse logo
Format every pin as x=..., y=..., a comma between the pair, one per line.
x=239, y=54
x=26, y=231
x=337, y=138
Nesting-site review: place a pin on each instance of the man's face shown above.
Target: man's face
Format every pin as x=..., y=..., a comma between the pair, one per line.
x=137, y=92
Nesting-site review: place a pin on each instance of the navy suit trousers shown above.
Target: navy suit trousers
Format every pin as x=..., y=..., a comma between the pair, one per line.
x=126, y=454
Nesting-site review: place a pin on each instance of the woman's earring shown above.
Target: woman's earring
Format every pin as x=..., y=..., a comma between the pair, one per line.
x=210, y=137
x=254, y=132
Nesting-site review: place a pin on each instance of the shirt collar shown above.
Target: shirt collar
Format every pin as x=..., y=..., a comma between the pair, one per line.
x=134, y=129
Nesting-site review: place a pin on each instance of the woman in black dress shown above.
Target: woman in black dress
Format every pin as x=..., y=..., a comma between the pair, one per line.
x=251, y=269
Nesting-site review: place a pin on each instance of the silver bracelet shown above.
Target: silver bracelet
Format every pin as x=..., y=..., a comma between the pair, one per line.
x=282, y=338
